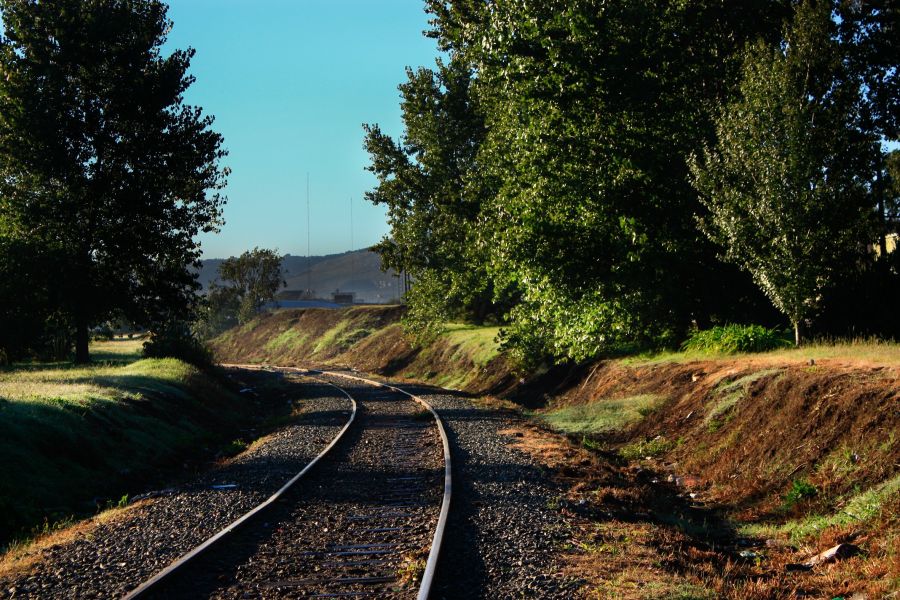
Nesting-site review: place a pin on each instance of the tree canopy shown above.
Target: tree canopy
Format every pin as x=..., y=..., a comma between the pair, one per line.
x=547, y=161
x=103, y=165
x=786, y=182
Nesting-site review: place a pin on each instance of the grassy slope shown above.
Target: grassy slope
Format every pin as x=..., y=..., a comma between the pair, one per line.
x=70, y=435
x=368, y=338
x=806, y=454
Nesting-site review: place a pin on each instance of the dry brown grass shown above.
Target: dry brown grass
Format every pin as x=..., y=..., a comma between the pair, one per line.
x=626, y=546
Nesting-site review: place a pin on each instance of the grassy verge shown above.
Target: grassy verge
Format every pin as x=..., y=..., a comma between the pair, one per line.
x=860, y=350
x=71, y=438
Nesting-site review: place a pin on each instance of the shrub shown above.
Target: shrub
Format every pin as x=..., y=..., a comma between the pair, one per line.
x=729, y=339
x=177, y=341
x=800, y=490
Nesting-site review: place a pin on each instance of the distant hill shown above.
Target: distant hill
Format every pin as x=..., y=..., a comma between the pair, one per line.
x=358, y=272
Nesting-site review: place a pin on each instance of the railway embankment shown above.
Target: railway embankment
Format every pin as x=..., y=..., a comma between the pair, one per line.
x=113, y=552
x=726, y=474
x=75, y=440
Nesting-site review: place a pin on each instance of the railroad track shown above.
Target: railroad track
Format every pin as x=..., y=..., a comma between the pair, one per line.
x=365, y=518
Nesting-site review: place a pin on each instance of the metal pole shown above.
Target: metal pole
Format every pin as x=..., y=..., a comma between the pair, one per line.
x=352, y=257
x=308, y=257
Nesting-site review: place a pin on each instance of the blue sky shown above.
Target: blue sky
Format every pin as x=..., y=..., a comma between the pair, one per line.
x=290, y=83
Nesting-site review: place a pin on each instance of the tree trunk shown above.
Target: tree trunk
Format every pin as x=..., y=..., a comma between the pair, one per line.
x=883, y=230
x=81, y=341
x=797, y=333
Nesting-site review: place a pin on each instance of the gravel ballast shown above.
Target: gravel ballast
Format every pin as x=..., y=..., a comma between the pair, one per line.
x=116, y=556
x=505, y=528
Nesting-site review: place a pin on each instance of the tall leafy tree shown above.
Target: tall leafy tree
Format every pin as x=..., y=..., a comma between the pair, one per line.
x=102, y=162
x=591, y=109
x=786, y=182
x=867, y=32
x=428, y=182
x=251, y=279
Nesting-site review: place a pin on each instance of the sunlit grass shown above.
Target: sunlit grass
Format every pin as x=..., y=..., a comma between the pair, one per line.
x=860, y=508
x=869, y=350
x=479, y=344
x=92, y=382
x=288, y=337
x=601, y=415
x=119, y=350
x=71, y=433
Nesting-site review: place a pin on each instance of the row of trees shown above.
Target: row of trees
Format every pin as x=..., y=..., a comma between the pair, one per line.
x=600, y=175
x=106, y=175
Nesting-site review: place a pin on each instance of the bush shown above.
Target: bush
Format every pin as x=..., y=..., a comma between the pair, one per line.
x=800, y=491
x=177, y=341
x=729, y=339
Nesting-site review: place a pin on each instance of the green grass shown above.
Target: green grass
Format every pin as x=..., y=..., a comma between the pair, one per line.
x=859, y=508
x=730, y=393
x=479, y=344
x=329, y=339
x=601, y=415
x=70, y=434
x=865, y=349
x=644, y=448
x=118, y=350
x=288, y=337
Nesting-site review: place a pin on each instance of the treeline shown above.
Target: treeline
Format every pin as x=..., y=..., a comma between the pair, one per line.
x=106, y=175
x=603, y=176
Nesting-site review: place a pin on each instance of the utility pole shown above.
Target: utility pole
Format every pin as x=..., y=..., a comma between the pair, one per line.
x=308, y=256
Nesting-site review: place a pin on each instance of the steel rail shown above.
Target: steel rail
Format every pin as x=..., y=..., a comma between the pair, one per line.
x=151, y=585
x=431, y=564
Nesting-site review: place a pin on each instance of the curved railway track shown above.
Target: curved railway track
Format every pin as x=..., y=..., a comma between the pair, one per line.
x=364, y=522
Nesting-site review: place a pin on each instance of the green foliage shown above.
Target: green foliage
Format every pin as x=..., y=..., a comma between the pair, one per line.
x=252, y=279
x=785, y=183
x=584, y=220
x=548, y=170
x=104, y=171
x=730, y=339
x=176, y=340
x=429, y=183
x=801, y=491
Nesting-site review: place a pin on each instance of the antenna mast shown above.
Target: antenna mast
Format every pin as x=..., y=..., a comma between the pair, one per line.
x=308, y=257
x=352, y=257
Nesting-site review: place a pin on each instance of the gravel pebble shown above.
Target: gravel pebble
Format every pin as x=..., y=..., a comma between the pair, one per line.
x=505, y=528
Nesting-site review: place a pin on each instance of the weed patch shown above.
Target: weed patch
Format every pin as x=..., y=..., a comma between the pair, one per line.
x=601, y=416
x=731, y=339
x=644, y=448
x=858, y=509
x=287, y=338
x=801, y=491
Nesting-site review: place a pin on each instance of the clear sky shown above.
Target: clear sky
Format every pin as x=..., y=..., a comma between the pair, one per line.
x=290, y=83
